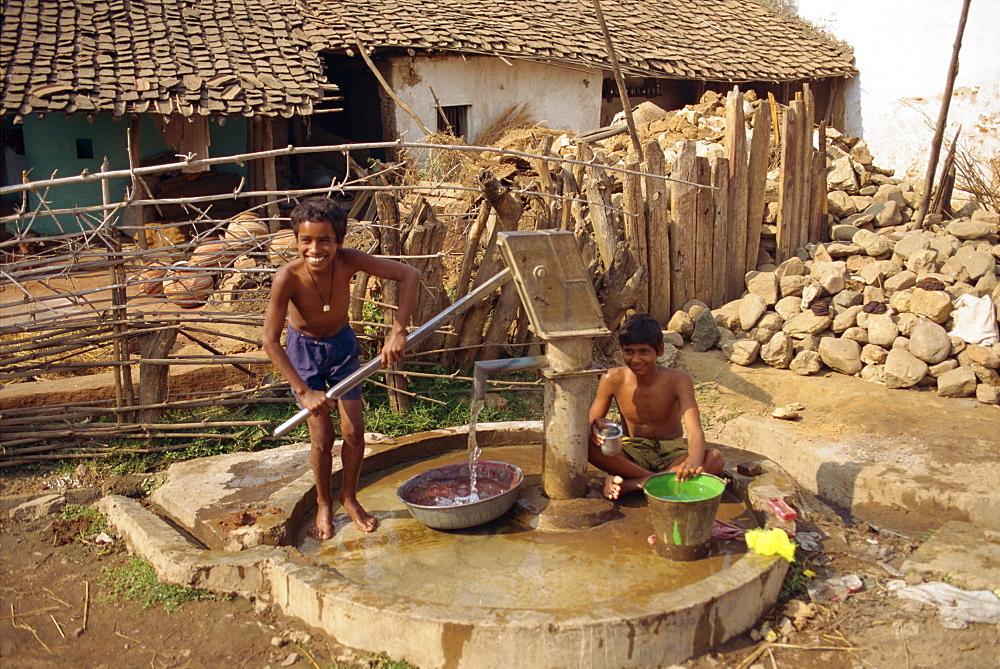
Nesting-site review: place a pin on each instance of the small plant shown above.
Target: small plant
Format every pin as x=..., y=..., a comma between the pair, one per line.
x=136, y=581
x=730, y=416
x=796, y=579
x=383, y=661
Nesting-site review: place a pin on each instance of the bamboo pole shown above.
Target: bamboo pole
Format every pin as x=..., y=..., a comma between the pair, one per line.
x=291, y=151
x=918, y=220
x=388, y=89
x=619, y=80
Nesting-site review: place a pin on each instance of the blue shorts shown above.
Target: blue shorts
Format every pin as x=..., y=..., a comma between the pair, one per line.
x=323, y=363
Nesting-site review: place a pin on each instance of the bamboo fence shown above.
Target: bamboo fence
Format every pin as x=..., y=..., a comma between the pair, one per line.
x=653, y=235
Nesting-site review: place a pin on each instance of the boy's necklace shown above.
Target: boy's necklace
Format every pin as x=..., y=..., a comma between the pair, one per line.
x=326, y=301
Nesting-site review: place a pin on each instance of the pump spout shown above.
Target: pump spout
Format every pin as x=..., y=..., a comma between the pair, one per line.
x=484, y=368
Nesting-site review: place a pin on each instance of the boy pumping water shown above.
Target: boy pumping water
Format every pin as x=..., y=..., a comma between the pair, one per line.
x=658, y=406
x=312, y=294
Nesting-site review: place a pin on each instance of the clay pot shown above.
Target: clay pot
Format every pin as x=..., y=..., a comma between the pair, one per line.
x=246, y=227
x=150, y=279
x=188, y=288
x=282, y=248
x=214, y=253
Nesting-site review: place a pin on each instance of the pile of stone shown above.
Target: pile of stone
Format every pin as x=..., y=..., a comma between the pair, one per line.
x=704, y=122
x=880, y=304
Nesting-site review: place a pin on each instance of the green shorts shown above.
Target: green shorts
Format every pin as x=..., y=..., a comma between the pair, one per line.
x=654, y=455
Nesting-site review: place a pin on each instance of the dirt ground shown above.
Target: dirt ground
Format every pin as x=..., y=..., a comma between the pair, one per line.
x=53, y=608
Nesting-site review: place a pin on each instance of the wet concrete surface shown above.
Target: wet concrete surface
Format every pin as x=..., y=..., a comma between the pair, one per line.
x=465, y=598
x=504, y=564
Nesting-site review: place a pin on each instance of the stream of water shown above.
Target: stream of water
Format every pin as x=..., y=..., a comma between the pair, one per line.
x=473, y=496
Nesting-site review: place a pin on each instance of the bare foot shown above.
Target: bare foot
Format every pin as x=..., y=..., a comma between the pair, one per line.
x=362, y=519
x=615, y=486
x=323, y=529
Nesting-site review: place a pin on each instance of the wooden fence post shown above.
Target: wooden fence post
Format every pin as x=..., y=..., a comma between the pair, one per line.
x=154, y=378
x=736, y=148
x=698, y=280
x=722, y=252
x=683, y=205
x=389, y=240
x=658, y=234
x=635, y=224
x=760, y=150
x=509, y=208
x=787, y=210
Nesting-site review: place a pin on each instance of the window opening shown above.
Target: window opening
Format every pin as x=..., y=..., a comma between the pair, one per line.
x=457, y=117
x=84, y=148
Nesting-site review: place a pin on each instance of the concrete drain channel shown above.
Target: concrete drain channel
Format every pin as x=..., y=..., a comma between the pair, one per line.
x=501, y=594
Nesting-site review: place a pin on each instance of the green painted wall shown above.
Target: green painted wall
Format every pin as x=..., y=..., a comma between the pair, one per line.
x=51, y=145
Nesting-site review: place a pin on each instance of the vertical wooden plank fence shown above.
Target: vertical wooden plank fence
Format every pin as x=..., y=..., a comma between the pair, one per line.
x=657, y=233
x=736, y=147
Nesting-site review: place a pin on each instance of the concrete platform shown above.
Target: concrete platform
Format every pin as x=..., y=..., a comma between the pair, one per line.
x=906, y=460
x=964, y=553
x=598, y=598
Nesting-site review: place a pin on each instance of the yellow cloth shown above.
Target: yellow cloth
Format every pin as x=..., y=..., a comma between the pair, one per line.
x=652, y=454
x=771, y=542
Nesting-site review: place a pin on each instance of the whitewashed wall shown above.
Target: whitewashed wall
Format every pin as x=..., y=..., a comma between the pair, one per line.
x=903, y=48
x=558, y=97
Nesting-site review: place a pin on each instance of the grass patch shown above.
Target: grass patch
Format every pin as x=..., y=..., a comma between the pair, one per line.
x=451, y=408
x=137, y=582
x=796, y=579
x=425, y=415
x=98, y=523
x=76, y=523
x=383, y=661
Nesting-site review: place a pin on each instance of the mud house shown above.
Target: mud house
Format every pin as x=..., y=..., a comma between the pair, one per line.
x=93, y=78
x=86, y=80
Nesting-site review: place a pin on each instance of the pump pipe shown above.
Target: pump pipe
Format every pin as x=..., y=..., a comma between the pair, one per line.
x=414, y=338
x=484, y=368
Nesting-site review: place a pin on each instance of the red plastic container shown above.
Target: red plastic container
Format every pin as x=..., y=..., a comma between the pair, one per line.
x=781, y=510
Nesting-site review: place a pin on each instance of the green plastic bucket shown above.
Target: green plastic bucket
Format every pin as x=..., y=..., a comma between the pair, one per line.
x=683, y=513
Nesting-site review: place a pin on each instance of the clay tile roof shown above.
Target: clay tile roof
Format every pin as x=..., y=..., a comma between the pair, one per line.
x=167, y=56
x=716, y=40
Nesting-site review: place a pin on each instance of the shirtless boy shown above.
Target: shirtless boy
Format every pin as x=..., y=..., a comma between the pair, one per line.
x=657, y=405
x=312, y=293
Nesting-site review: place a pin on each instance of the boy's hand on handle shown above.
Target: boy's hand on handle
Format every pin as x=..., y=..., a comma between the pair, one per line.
x=394, y=348
x=316, y=401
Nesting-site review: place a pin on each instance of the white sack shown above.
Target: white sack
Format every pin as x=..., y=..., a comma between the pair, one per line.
x=975, y=320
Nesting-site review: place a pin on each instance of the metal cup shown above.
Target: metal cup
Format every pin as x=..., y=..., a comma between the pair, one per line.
x=612, y=433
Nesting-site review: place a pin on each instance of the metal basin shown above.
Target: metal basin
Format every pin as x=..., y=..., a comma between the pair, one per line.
x=502, y=476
